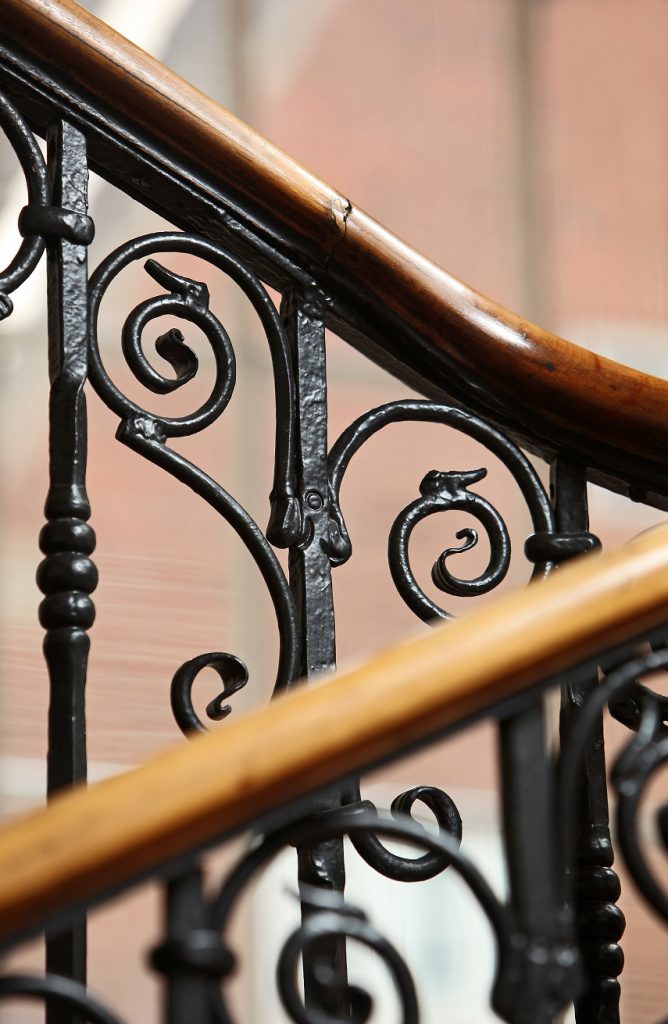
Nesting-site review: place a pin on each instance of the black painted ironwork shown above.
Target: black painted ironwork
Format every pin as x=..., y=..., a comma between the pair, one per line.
x=57, y=993
x=595, y=885
x=330, y=918
x=67, y=576
x=399, y=867
x=632, y=771
x=32, y=164
x=531, y=834
x=442, y=492
x=355, y=820
x=147, y=433
x=321, y=865
x=191, y=953
x=557, y=933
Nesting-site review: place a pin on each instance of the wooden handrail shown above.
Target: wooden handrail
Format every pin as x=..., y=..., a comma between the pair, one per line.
x=552, y=393
x=89, y=842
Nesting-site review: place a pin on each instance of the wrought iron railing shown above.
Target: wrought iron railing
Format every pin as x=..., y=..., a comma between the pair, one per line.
x=90, y=844
x=264, y=222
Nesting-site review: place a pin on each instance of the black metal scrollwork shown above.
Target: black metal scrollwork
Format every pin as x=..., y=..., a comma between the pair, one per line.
x=34, y=169
x=148, y=433
x=233, y=674
x=333, y=916
x=635, y=766
x=410, y=869
x=441, y=492
x=444, y=492
x=514, y=997
x=55, y=990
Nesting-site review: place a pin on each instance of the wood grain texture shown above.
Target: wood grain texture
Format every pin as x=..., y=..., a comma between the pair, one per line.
x=563, y=393
x=532, y=369
x=89, y=841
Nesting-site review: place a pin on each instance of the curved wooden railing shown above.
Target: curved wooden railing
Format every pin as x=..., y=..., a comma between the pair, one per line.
x=415, y=319
x=88, y=843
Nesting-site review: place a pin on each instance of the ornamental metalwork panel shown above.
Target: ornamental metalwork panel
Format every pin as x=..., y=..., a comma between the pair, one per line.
x=557, y=933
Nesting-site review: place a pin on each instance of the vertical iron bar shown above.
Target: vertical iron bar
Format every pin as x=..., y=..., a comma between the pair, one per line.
x=186, y=990
x=66, y=575
x=532, y=850
x=600, y=923
x=310, y=578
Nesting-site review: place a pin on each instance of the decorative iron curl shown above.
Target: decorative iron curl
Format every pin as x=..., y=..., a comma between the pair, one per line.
x=627, y=705
x=636, y=765
x=54, y=989
x=32, y=164
x=189, y=300
x=233, y=674
x=444, y=492
x=513, y=998
x=634, y=768
x=335, y=918
x=147, y=433
x=441, y=491
x=410, y=869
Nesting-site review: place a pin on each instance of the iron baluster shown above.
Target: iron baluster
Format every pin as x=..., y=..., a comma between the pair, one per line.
x=66, y=576
x=310, y=575
x=550, y=968
x=320, y=865
x=600, y=922
x=638, y=706
x=191, y=956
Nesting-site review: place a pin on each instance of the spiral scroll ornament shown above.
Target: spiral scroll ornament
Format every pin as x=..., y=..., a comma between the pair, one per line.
x=148, y=433
x=445, y=492
x=334, y=917
x=442, y=492
x=523, y=985
x=233, y=674
x=398, y=867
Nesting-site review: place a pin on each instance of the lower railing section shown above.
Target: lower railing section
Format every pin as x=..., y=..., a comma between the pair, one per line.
x=555, y=930
x=295, y=780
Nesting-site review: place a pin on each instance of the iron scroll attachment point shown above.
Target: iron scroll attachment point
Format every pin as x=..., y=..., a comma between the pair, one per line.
x=56, y=222
x=321, y=865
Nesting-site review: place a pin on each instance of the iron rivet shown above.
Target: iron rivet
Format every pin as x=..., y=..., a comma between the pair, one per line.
x=314, y=501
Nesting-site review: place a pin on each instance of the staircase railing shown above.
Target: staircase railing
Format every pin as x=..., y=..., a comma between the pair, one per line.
x=156, y=136
x=91, y=843
x=247, y=209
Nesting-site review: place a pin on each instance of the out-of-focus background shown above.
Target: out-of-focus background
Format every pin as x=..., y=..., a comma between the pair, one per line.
x=523, y=145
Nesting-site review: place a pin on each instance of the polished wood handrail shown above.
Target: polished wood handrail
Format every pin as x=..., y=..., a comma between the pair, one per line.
x=555, y=393
x=89, y=842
